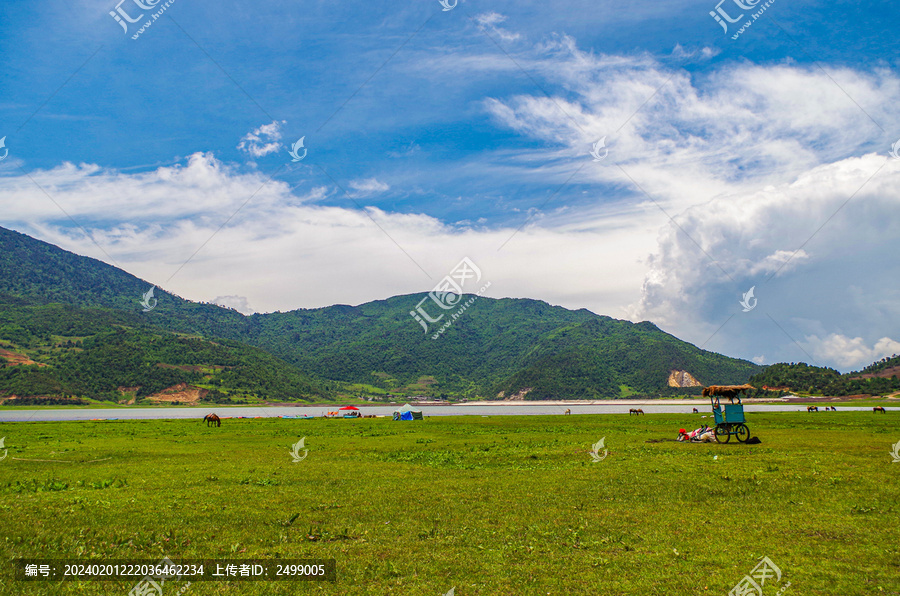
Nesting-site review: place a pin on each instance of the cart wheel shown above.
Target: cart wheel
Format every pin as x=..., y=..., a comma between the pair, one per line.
x=722, y=434
x=742, y=433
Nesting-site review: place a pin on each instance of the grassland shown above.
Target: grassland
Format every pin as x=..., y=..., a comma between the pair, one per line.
x=490, y=506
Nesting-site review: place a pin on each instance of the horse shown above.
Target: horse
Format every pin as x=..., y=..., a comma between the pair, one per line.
x=833, y=409
x=635, y=412
x=211, y=419
x=812, y=409
x=696, y=411
x=568, y=411
x=878, y=409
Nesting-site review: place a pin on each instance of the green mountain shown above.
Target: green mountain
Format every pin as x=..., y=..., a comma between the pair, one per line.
x=496, y=349
x=61, y=350
x=879, y=378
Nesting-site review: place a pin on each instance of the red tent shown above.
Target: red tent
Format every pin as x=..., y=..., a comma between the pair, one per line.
x=349, y=408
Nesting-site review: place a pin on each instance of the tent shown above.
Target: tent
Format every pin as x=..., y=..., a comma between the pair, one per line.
x=407, y=412
x=350, y=412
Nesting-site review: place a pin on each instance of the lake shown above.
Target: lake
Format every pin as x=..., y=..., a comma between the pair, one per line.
x=45, y=415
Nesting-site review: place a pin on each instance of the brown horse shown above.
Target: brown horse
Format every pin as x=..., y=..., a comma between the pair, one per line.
x=812, y=409
x=635, y=412
x=211, y=419
x=568, y=411
x=696, y=411
x=879, y=409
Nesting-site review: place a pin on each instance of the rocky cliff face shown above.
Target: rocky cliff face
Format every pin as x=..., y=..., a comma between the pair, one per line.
x=682, y=378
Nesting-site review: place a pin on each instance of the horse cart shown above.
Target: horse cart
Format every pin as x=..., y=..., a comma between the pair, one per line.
x=729, y=417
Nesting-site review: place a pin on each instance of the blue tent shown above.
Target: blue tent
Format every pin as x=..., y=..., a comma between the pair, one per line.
x=408, y=413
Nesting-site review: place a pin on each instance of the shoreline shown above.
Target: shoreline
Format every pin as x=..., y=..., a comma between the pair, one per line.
x=619, y=402
x=787, y=399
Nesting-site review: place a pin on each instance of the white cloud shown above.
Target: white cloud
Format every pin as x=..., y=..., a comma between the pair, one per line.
x=686, y=139
x=491, y=20
x=238, y=303
x=263, y=140
x=849, y=352
x=104, y=196
x=747, y=163
x=705, y=52
x=280, y=251
x=715, y=251
x=368, y=186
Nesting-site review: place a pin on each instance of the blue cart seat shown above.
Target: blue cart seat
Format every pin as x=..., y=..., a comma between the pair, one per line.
x=733, y=414
x=717, y=414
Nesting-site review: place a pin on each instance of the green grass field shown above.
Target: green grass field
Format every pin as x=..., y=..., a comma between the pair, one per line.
x=491, y=506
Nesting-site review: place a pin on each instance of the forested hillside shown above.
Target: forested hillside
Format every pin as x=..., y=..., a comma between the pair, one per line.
x=105, y=354
x=607, y=358
x=815, y=380
x=886, y=367
x=497, y=348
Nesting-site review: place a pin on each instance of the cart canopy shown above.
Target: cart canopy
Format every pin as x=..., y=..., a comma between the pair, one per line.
x=729, y=391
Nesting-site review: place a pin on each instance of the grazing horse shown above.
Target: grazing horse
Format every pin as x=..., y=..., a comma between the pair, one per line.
x=833, y=409
x=211, y=419
x=696, y=411
x=635, y=412
x=568, y=411
x=878, y=409
x=812, y=409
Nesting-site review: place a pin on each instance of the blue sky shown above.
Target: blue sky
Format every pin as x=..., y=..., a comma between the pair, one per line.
x=434, y=135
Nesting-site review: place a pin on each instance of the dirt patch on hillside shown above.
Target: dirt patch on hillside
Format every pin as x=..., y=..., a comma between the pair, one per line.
x=182, y=393
x=128, y=392
x=517, y=396
x=14, y=359
x=682, y=378
x=887, y=373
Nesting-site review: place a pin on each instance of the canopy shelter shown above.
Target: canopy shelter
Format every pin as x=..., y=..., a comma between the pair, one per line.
x=729, y=391
x=350, y=411
x=407, y=412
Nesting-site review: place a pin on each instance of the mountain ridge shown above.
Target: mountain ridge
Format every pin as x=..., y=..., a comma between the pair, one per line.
x=496, y=348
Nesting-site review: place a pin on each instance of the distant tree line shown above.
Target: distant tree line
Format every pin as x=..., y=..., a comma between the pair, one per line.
x=802, y=377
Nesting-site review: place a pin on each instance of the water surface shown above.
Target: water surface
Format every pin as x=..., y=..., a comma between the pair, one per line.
x=45, y=415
